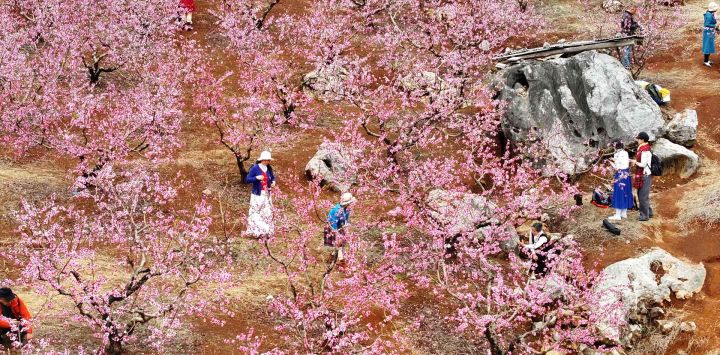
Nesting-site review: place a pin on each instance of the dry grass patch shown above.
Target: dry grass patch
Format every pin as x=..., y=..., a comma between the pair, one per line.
x=29, y=182
x=586, y=224
x=701, y=203
x=656, y=341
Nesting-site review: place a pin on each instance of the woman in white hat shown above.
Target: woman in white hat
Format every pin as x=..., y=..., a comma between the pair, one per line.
x=338, y=219
x=263, y=180
x=708, y=39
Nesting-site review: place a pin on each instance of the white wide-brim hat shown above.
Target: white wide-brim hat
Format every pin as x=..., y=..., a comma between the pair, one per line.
x=713, y=6
x=347, y=198
x=265, y=155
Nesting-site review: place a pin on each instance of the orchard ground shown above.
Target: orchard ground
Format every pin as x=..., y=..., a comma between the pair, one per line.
x=209, y=166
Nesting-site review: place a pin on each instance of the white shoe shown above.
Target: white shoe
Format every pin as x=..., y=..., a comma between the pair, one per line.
x=614, y=218
x=708, y=64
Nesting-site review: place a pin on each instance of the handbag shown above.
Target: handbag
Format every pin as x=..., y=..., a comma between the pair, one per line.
x=328, y=236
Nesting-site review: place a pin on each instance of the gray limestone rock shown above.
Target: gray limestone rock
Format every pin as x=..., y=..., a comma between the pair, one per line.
x=577, y=104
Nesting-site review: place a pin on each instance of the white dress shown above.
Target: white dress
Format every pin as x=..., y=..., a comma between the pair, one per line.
x=260, y=218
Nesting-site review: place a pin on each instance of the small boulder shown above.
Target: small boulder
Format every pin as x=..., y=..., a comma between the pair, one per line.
x=331, y=164
x=553, y=287
x=656, y=312
x=666, y=326
x=485, y=45
x=428, y=84
x=676, y=158
x=508, y=244
x=460, y=212
x=327, y=82
x=683, y=128
x=688, y=327
x=612, y=5
x=683, y=295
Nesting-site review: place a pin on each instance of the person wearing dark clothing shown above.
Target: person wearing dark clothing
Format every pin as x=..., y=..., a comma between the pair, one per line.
x=628, y=27
x=538, y=248
x=15, y=320
x=708, y=38
x=642, y=181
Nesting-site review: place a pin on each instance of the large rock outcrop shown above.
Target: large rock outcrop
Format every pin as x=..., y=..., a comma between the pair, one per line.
x=330, y=165
x=676, y=158
x=638, y=283
x=578, y=104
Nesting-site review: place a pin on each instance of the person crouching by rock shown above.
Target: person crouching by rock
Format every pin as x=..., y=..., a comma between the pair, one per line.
x=262, y=178
x=622, y=197
x=642, y=180
x=15, y=320
x=338, y=221
x=537, y=248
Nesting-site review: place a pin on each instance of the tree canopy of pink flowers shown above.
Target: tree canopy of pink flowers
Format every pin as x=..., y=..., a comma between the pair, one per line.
x=108, y=86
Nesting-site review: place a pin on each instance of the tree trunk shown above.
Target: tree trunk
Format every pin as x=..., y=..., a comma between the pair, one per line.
x=114, y=347
x=495, y=346
x=241, y=167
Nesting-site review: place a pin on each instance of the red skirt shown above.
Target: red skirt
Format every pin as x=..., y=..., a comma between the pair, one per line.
x=188, y=5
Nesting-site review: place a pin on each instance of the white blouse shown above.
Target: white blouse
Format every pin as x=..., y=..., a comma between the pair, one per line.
x=645, y=162
x=536, y=241
x=621, y=160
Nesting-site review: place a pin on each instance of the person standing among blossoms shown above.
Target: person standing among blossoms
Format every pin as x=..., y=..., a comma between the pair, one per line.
x=628, y=27
x=188, y=7
x=708, y=38
x=262, y=178
x=338, y=220
x=642, y=180
x=13, y=310
x=622, y=198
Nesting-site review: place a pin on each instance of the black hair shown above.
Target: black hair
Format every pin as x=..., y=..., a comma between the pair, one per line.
x=644, y=136
x=6, y=294
x=618, y=144
x=537, y=226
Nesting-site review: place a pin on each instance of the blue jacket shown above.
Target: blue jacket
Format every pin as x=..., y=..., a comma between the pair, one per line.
x=338, y=217
x=710, y=20
x=251, y=178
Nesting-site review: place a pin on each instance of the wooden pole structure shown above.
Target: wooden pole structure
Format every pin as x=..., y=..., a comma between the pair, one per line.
x=569, y=48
